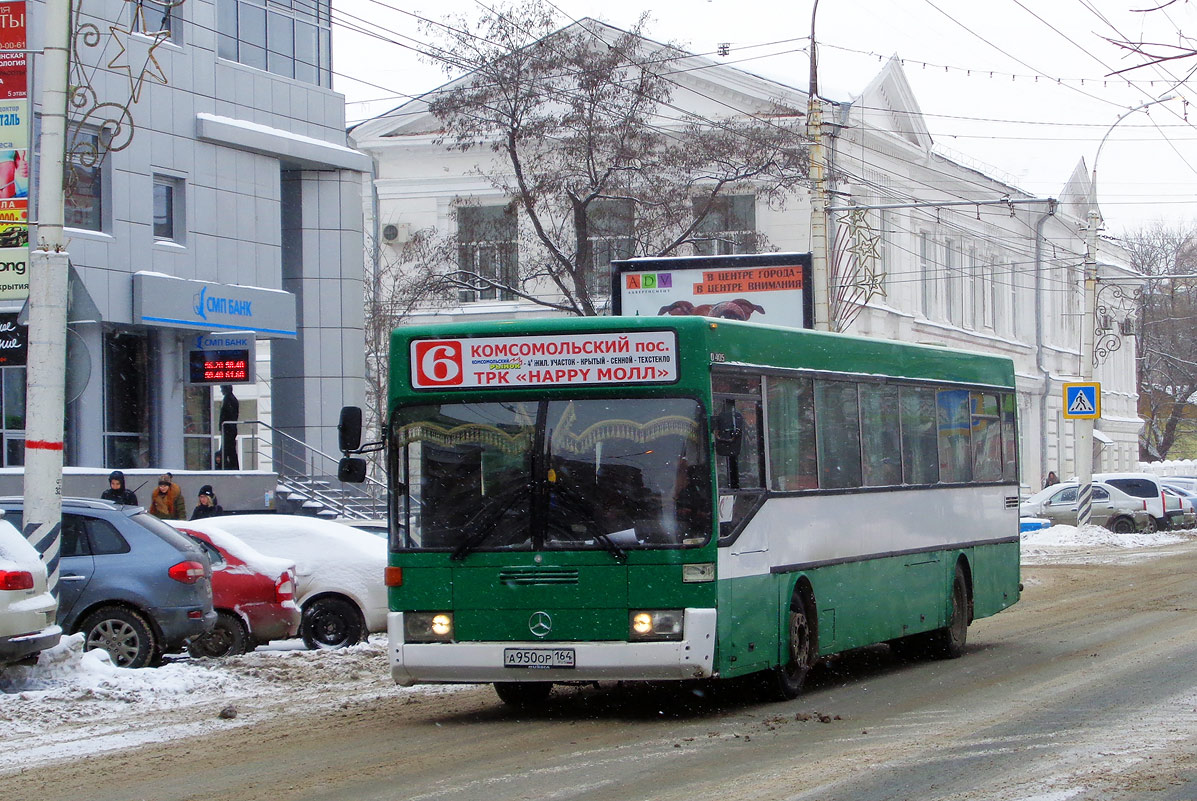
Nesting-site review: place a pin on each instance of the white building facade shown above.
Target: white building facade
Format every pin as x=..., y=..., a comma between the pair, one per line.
x=210, y=189
x=953, y=258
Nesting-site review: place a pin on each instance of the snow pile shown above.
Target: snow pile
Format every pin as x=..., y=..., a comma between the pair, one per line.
x=1046, y=541
x=67, y=672
x=74, y=702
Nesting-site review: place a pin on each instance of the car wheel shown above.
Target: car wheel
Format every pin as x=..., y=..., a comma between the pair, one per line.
x=523, y=694
x=1123, y=525
x=228, y=637
x=123, y=633
x=331, y=623
x=1151, y=526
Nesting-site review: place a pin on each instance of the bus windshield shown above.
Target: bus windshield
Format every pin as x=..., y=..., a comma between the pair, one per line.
x=611, y=474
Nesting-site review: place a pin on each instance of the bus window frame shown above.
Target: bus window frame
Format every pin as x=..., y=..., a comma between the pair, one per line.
x=766, y=493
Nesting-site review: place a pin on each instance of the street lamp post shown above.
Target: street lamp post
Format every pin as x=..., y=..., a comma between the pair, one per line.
x=1083, y=428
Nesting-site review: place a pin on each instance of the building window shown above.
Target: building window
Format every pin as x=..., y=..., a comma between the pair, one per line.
x=84, y=178
x=126, y=400
x=728, y=227
x=487, y=251
x=155, y=17
x=292, y=38
x=928, y=273
x=610, y=229
x=168, y=209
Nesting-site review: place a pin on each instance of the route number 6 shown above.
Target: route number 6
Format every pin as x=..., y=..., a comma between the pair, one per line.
x=437, y=363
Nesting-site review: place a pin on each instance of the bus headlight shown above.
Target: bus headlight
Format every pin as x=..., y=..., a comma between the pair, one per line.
x=428, y=627
x=656, y=624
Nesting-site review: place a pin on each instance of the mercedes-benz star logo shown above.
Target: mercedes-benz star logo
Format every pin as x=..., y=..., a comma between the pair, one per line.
x=540, y=624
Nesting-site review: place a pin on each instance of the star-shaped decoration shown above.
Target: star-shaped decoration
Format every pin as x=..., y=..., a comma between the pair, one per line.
x=136, y=57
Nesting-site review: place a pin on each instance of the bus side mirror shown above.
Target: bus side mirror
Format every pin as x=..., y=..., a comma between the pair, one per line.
x=349, y=429
x=351, y=470
x=729, y=432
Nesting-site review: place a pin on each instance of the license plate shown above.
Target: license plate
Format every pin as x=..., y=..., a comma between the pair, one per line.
x=538, y=658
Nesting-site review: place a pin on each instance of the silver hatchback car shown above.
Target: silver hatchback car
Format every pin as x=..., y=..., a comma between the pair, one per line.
x=1112, y=507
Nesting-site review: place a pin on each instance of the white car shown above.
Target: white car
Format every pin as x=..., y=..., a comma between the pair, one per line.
x=1161, y=506
x=27, y=609
x=338, y=571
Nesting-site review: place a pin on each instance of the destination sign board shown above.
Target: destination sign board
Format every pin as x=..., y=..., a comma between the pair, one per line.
x=551, y=360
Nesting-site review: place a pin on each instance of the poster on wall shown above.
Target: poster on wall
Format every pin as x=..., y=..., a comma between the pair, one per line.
x=14, y=154
x=14, y=341
x=763, y=288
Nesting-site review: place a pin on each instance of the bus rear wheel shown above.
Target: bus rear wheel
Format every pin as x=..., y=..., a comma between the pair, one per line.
x=948, y=642
x=523, y=694
x=784, y=682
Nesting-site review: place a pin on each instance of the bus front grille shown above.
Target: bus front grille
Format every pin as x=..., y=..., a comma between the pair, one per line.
x=530, y=577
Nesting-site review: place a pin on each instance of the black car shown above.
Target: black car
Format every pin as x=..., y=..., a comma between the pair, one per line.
x=131, y=584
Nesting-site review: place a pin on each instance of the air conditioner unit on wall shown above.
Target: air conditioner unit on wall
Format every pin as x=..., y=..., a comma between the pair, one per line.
x=396, y=233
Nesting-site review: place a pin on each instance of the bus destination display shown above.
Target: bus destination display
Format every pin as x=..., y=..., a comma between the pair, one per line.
x=634, y=357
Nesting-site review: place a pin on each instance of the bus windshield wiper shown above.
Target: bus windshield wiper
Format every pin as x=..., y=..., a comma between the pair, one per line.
x=486, y=521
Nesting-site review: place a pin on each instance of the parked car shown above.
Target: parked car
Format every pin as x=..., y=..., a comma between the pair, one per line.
x=1184, y=482
x=339, y=571
x=1160, y=506
x=131, y=584
x=1188, y=516
x=1111, y=508
x=27, y=608
x=253, y=594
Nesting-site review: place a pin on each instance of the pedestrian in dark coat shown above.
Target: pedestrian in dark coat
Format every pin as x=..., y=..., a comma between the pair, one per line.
x=206, y=504
x=117, y=492
x=230, y=410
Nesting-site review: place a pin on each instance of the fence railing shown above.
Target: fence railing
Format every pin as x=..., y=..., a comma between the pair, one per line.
x=310, y=473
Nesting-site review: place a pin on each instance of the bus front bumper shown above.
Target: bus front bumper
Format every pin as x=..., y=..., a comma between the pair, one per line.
x=481, y=662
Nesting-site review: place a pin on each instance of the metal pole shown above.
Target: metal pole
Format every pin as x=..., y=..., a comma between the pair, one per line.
x=820, y=277
x=45, y=385
x=1083, y=428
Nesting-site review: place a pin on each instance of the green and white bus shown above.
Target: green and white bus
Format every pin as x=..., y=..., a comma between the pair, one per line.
x=638, y=498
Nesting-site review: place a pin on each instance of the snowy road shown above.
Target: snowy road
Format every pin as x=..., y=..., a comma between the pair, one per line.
x=1086, y=689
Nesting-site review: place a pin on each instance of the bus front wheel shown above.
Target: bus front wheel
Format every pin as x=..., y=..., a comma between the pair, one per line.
x=785, y=681
x=523, y=694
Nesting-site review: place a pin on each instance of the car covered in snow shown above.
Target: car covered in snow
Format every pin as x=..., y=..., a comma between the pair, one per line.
x=338, y=571
x=134, y=586
x=253, y=594
x=1111, y=507
x=27, y=609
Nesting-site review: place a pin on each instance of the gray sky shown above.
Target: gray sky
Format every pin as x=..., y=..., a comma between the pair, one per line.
x=1017, y=88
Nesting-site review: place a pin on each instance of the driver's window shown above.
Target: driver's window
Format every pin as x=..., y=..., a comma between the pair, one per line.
x=1064, y=496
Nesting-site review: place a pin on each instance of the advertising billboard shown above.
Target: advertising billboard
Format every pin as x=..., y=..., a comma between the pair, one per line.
x=765, y=287
x=14, y=155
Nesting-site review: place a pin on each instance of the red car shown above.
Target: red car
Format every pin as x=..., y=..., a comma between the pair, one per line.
x=253, y=594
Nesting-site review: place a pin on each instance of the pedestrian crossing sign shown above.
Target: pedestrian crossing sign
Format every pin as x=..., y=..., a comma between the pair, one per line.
x=1082, y=401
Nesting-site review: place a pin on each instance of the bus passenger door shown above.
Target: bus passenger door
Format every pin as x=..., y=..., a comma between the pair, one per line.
x=749, y=620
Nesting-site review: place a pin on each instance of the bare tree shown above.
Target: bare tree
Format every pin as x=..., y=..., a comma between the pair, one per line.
x=1167, y=349
x=593, y=159
x=1150, y=54
x=390, y=294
